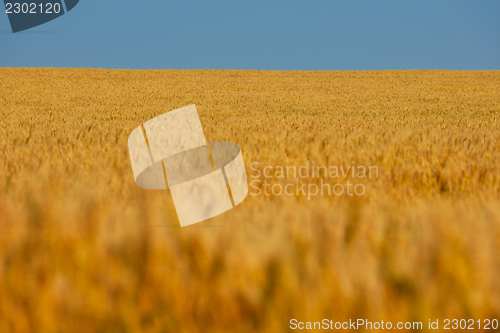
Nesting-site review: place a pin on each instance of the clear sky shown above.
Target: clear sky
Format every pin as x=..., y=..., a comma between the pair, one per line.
x=269, y=34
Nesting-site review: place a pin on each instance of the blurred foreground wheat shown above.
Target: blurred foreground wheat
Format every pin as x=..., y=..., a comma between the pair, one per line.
x=83, y=249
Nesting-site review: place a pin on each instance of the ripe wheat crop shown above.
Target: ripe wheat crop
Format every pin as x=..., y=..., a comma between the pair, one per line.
x=83, y=249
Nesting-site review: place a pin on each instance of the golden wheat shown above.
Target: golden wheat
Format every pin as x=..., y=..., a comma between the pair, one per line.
x=83, y=249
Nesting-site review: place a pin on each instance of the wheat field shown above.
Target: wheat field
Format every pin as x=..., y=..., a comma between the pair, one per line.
x=83, y=249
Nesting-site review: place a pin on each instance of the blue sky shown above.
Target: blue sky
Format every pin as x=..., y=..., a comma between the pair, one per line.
x=265, y=35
